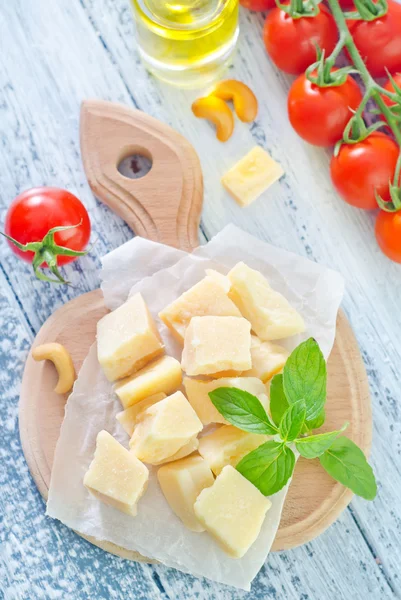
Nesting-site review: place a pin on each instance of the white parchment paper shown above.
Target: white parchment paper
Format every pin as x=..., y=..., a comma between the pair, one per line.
x=161, y=274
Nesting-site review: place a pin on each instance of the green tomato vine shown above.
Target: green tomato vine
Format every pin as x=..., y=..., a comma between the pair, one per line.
x=321, y=73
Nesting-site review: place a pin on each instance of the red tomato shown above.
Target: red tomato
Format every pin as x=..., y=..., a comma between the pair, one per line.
x=389, y=86
x=37, y=210
x=388, y=234
x=347, y=5
x=319, y=114
x=363, y=168
x=379, y=41
x=291, y=43
x=258, y=4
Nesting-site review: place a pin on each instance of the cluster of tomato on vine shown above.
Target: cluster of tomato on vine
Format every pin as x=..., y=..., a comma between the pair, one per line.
x=326, y=106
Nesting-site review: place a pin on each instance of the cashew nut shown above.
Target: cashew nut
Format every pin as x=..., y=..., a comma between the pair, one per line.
x=244, y=100
x=62, y=361
x=215, y=110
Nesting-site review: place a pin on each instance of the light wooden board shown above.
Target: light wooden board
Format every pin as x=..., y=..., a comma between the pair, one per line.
x=167, y=209
x=165, y=204
x=55, y=54
x=314, y=500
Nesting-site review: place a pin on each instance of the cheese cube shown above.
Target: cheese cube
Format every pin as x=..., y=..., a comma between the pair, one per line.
x=267, y=359
x=270, y=314
x=219, y=278
x=115, y=475
x=207, y=297
x=128, y=418
x=216, y=344
x=197, y=391
x=227, y=446
x=251, y=176
x=162, y=375
x=232, y=510
x=127, y=339
x=181, y=483
x=164, y=428
x=186, y=450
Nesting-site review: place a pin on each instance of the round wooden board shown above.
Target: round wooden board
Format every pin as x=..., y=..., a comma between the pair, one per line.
x=314, y=500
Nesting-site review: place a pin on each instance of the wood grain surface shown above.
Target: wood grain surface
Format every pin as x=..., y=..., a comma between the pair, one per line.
x=54, y=55
x=165, y=205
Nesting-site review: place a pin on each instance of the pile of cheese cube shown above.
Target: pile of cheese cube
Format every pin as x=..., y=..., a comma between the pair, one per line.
x=226, y=325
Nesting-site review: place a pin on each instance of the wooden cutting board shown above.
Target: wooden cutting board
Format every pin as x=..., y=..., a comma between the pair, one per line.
x=165, y=206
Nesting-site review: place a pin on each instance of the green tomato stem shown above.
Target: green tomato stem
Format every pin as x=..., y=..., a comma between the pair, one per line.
x=338, y=47
x=47, y=251
x=396, y=180
x=365, y=100
x=298, y=9
x=298, y=5
x=371, y=6
x=373, y=90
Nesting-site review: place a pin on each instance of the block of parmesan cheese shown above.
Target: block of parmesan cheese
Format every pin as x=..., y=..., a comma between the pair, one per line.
x=270, y=314
x=251, y=176
x=128, y=418
x=232, y=510
x=186, y=450
x=164, y=428
x=267, y=359
x=214, y=345
x=197, y=391
x=115, y=475
x=127, y=339
x=220, y=279
x=163, y=375
x=208, y=297
x=181, y=483
x=227, y=446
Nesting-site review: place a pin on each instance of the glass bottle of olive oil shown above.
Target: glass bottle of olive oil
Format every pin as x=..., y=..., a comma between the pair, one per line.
x=186, y=43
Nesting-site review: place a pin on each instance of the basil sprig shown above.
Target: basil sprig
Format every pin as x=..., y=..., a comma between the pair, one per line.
x=243, y=410
x=269, y=467
x=305, y=376
x=314, y=446
x=346, y=463
x=278, y=401
x=297, y=401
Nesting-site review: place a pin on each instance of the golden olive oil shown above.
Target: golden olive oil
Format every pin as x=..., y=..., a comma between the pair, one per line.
x=186, y=42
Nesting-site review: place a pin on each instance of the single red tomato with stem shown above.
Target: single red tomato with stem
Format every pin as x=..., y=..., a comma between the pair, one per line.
x=360, y=170
x=320, y=114
x=291, y=43
x=258, y=5
x=379, y=41
x=388, y=234
x=48, y=227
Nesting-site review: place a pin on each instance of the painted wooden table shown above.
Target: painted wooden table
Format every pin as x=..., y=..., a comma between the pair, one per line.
x=53, y=55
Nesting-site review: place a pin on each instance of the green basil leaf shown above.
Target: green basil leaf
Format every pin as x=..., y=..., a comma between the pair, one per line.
x=292, y=421
x=305, y=376
x=346, y=463
x=269, y=467
x=243, y=410
x=315, y=445
x=318, y=422
x=278, y=401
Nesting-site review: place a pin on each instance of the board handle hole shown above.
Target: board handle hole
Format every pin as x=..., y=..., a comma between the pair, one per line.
x=135, y=166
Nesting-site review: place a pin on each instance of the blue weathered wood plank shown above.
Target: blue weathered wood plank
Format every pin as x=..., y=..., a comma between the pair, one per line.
x=55, y=54
x=40, y=558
